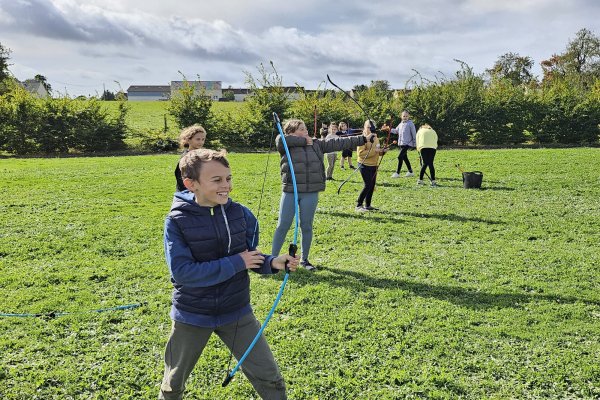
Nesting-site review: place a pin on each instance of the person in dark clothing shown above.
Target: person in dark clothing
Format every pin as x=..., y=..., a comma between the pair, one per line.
x=347, y=153
x=210, y=244
x=190, y=138
x=368, y=160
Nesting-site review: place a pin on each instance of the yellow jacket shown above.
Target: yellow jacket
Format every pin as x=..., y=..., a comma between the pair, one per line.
x=363, y=150
x=426, y=138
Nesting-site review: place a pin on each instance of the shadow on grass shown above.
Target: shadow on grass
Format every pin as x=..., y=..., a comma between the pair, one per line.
x=379, y=215
x=485, y=187
x=453, y=217
x=460, y=296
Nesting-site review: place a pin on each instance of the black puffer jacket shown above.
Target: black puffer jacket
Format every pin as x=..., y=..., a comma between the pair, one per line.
x=307, y=160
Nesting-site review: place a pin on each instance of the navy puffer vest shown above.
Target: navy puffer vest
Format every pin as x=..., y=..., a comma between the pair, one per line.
x=205, y=232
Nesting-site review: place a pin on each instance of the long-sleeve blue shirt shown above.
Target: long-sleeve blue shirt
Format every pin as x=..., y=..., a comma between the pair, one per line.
x=188, y=271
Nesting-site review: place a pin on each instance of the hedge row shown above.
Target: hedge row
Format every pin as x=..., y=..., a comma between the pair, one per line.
x=465, y=110
x=29, y=125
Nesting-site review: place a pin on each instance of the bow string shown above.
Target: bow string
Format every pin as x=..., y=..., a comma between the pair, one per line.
x=292, y=252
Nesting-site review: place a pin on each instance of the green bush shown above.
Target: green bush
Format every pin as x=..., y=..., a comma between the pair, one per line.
x=329, y=106
x=504, y=116
x=268, y=96
x=157, y=141
x=190, y=106
x=32, y=125
x=21, y=120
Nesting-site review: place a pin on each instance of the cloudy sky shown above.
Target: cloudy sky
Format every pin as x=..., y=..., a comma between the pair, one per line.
x=83, y=46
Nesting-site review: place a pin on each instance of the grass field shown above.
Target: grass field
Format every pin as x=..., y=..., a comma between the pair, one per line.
x=444, y=293
x=150, y=115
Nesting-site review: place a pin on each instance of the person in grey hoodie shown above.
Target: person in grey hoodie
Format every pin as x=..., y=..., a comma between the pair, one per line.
x=407, y=134
x=307, y=159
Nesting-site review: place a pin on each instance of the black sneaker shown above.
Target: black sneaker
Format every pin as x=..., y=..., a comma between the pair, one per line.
x=371, y=208
x=307, y=265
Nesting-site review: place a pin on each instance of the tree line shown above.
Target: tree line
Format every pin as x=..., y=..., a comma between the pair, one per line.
x=505, y=105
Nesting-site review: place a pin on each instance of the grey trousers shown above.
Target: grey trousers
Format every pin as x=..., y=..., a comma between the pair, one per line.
x=185, y=346
x=330, y=164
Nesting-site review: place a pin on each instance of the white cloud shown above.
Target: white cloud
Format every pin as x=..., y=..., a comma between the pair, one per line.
x=147, y=42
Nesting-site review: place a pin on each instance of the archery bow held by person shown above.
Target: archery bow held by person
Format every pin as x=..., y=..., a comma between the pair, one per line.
x=210, y=244
x=307, y=158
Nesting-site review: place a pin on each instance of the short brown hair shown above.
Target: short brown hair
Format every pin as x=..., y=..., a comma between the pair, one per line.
x=292, y=125
x=188, y=133
x=191, y=163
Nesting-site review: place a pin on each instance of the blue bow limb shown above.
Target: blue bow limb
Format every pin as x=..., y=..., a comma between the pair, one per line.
x=292, y=252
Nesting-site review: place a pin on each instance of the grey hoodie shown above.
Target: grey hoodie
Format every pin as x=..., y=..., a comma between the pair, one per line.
x=407, y=134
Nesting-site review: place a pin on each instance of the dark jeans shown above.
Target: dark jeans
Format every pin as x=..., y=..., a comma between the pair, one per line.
x=368, y=174
x=427, y=155
x=403, y=156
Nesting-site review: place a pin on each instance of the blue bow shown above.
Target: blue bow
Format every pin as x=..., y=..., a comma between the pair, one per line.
x=292, y=252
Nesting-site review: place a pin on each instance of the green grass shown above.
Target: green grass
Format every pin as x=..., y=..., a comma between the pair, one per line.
x=444, y=293
x=149, y=115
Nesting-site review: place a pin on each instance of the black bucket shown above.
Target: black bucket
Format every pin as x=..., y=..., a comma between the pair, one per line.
x=472, y=180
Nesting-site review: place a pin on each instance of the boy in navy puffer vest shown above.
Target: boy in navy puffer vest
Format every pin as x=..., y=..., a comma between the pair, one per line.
x=210, y=244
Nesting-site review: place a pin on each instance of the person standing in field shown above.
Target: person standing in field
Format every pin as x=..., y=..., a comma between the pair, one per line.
x=427, y=143
x=210, y=245
x=190, y=138
x=368, y=160
x=406, y=140
x=346, y=153
x=307, y=159
x=331, y=157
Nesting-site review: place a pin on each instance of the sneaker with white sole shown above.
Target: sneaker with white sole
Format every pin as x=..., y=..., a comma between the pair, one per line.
x=434, y=184
x=420, y=182
x=395, y=175
x=307, y=265
x=360, y=209
x=409, y=174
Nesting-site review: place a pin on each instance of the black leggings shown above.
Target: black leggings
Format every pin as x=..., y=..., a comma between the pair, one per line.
x=403, y=157
x=427, y=155
x=368, y=174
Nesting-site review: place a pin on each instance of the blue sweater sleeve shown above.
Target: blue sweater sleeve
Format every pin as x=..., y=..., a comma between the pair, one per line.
x=186, y=270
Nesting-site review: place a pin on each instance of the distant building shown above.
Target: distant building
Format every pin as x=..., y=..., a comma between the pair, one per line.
x=211, y=88
x=148, y=93
x=293, y=92
x=240, y=94
x=35, y=87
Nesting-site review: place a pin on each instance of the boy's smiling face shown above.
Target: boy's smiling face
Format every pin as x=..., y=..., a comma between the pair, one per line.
x=213, y=186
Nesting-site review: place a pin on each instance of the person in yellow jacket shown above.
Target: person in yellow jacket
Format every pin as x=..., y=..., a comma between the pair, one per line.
x=368, y=160
x=427, y=143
